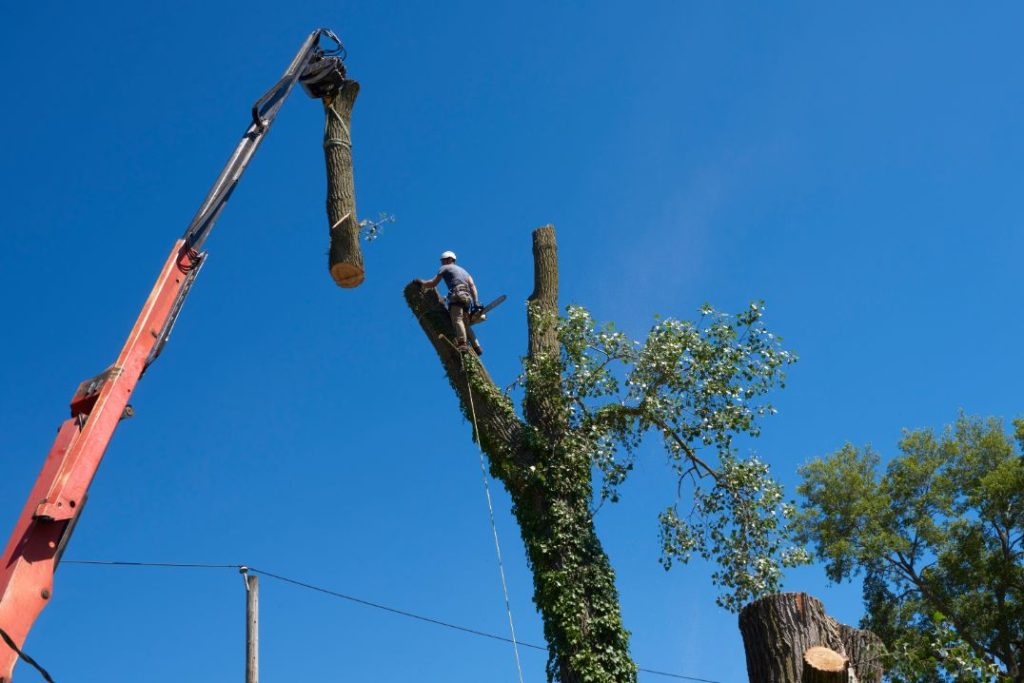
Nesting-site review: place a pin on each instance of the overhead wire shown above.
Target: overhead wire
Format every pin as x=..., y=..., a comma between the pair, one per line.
x=393, y=610
x=354, y=599
x=172, y=565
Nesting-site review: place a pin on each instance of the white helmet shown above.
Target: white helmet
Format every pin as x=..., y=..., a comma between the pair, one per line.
x=448, y=254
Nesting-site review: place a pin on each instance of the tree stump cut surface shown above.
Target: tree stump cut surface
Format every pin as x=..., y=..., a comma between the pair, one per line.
x=822, y=665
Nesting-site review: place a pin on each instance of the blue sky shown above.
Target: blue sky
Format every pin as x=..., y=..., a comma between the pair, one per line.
x=857, y=168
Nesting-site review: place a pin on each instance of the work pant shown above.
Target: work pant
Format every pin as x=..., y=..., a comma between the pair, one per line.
x=460, y=321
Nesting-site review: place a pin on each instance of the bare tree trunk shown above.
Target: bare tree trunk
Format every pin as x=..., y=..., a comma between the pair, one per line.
x=346, y=258
x=864, y=649
x=788, y=638
x=778, y=629
x=550, y=486
x=543, y=353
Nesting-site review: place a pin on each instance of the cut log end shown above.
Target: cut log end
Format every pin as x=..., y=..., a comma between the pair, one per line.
x=824, y=659
x=824, y=665
x=347, y=275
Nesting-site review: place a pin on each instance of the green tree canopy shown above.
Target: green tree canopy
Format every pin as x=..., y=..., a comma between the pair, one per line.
x=695, y=386
x=939, y=539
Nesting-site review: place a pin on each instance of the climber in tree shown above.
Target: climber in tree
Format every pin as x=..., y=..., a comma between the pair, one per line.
x=462, y=299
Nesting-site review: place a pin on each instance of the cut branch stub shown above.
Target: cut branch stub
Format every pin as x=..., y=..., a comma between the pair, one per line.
x=346, y=259
x=823, y=665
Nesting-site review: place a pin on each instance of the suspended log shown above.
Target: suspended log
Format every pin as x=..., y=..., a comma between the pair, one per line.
x=346, y=259
x=822, y=665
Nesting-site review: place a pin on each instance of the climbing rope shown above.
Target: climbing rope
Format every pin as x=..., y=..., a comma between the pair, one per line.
x=494, y=527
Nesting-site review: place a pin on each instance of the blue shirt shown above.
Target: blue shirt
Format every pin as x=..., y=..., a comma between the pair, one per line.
x=453, y=276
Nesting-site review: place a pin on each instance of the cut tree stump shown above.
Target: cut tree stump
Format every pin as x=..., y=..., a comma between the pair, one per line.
x=346, y=259
x=788, y=638
x=778, y=629
x=822, y=665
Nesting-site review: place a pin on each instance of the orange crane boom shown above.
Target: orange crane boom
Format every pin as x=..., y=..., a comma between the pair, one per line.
x=56, y=501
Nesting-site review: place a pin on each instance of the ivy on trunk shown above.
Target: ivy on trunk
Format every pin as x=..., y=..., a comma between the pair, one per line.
x=590, y=396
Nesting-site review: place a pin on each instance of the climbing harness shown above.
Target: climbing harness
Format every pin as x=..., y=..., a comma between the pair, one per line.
x=490, y=511
x=459, y=295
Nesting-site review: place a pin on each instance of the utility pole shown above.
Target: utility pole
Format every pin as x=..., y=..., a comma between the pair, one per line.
x=252, y=626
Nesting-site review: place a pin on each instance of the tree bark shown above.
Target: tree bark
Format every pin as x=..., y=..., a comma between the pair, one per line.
x=778, y=629
x=346, y=258
x=543, y=361
x=864, y=649
x=501, y=430
x=550, y=485
x=785, y=635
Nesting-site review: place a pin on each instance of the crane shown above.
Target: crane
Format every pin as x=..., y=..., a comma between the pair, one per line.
x=58, y=496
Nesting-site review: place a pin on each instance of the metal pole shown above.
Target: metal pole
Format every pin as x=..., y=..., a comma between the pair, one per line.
x=252, y=626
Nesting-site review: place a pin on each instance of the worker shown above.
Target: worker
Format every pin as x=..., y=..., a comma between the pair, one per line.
x=462, y=299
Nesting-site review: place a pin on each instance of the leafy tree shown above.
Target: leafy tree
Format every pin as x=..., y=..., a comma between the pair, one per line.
x=591, y=395
x=939, y=538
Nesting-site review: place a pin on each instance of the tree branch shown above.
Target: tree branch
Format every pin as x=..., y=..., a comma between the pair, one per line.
x=501, y=430
x=667, y=430
x=947, y=609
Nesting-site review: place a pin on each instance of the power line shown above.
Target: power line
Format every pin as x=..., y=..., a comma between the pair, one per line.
x=393, y=610
x=360, y=601
x=172, y=565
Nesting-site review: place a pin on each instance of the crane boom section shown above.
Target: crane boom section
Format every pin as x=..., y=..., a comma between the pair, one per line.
x=59, y=493
x=32, y=553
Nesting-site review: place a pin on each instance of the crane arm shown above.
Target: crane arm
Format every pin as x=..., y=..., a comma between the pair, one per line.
x=100, y=403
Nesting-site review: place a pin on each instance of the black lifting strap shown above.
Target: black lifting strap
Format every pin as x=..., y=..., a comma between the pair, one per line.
x=28, y=660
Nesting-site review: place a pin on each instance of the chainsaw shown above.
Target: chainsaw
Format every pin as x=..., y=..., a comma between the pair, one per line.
x=479, y=314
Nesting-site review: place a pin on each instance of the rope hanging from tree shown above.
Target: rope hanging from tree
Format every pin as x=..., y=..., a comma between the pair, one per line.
x=494, y=527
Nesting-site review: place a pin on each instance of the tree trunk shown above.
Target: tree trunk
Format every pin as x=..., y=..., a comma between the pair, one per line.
x=550, y=485
x=778, y=629
x=346, y=258
x=788, y=638
x=543, y=386
x=864, y=649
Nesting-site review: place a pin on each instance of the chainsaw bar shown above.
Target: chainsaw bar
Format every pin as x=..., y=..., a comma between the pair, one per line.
x=494, y=304
x=479, y=315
